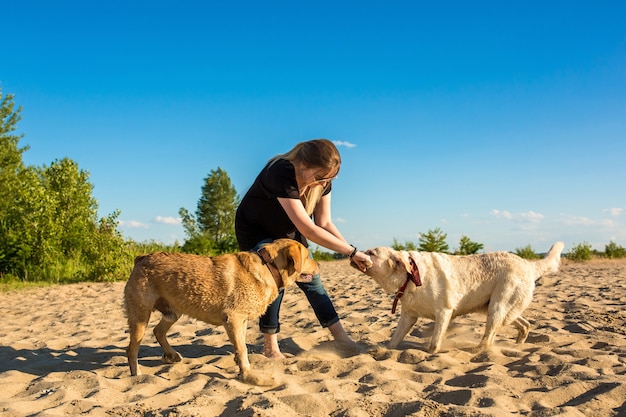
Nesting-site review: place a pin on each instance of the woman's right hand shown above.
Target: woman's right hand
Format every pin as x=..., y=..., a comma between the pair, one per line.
x=362, y=261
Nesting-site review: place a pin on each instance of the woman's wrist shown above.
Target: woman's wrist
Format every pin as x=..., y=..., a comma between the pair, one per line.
x=354, y=251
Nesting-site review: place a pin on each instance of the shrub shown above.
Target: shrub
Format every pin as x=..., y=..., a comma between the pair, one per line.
x=396, y=245
x=614, y=251
x=526, y=252
x=580, y=252
x=320, y=255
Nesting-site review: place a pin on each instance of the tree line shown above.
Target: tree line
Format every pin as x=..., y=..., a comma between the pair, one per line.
x=50, y=229
x=49, y=226
x=435, y=241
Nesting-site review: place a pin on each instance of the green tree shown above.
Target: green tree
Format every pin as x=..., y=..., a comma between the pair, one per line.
x=73, y=208
x=15, y=184
x=10, y=153
x=106, y=253
x=212, y=229
x=433, y=241
x=467, y=247
x=49, y=228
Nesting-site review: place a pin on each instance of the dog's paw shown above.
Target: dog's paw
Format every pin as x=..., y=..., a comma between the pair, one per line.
x=172, y=358
x=380, y=353
x=258, y=379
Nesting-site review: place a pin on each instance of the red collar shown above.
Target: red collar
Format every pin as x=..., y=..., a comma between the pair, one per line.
x=414, y=276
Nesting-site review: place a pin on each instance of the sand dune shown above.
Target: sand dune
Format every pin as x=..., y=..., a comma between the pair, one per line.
x=62, y=353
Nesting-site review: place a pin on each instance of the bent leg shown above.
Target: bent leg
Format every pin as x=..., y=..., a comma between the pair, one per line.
x=406, y=322
x=523, y=328
x=160, y=332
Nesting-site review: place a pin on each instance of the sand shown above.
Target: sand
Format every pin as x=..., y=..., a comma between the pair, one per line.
x=62, y=353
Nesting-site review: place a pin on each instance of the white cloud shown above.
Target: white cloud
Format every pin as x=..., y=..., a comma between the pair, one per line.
x=615, y=211
x=343, y=143
x=501, y=214
x=168, y=220
x=531, y=216
x=340, y=220
x=576, y=220
x=526, y=217
x=133, y=224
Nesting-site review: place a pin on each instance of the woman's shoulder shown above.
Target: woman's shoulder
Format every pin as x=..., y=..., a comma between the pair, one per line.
x=280, y=168
x=279, y=164
x=278, y=179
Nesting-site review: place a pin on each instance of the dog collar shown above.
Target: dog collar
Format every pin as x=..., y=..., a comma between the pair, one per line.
x=267, y=260
x=412, y=276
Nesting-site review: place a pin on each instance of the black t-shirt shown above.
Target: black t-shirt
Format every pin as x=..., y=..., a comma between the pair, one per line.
x=260, y=216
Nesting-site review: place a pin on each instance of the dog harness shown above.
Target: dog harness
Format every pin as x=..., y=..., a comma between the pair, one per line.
x=414, y=276
x=267, y=260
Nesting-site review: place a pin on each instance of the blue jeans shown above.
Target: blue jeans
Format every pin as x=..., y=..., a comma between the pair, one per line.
x=315, y=292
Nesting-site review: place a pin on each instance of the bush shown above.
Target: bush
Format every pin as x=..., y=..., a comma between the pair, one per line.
x=396, y=245
x=580, y=252
x=200, y=244
x=320, y=255
x=614, y=251
x=526, y=252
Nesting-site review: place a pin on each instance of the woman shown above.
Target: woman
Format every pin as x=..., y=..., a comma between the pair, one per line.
x=290, y=198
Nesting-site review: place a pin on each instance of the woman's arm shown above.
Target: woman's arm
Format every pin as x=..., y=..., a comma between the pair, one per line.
x=323, y=218
x=316, y=234
x=323, y=231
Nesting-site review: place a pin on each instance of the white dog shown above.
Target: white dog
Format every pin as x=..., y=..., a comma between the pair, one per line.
x=440, y=287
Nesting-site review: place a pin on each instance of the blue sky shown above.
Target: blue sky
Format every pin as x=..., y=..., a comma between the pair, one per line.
x=501, y=121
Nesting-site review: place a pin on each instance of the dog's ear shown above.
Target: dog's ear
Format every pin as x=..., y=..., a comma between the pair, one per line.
x=398, y=263
x=294, y=258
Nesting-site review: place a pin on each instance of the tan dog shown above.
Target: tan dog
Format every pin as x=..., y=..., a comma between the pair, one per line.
x=222, y=290
x=440, y=287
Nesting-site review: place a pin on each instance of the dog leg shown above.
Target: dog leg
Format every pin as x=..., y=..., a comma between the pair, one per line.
x=137, y=323
x=236, y=330
x=406, y=322
x=495, y=320
x=160, y=332
x=523, y=327
x=442, y=321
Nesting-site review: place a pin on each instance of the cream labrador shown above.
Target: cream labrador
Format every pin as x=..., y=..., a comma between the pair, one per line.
x=440, y=287
x=224, y=290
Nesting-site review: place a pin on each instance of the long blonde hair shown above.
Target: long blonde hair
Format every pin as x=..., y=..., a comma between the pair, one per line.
x=316, y=153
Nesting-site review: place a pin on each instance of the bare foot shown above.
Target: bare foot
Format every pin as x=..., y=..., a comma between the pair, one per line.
x=273, y=354
x=340, y=336
x=351, y=347
x=270, y=347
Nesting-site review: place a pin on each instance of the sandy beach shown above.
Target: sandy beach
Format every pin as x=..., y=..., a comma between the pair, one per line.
x=62, y=353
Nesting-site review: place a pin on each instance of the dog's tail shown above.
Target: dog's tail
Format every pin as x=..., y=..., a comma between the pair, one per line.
x=552, y=261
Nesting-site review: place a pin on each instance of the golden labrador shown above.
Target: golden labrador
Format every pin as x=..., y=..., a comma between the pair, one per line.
x=440, y=286
x=222, y=290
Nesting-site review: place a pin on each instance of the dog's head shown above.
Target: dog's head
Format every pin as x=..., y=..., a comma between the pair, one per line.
x=292, y=260
x=389, y=267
